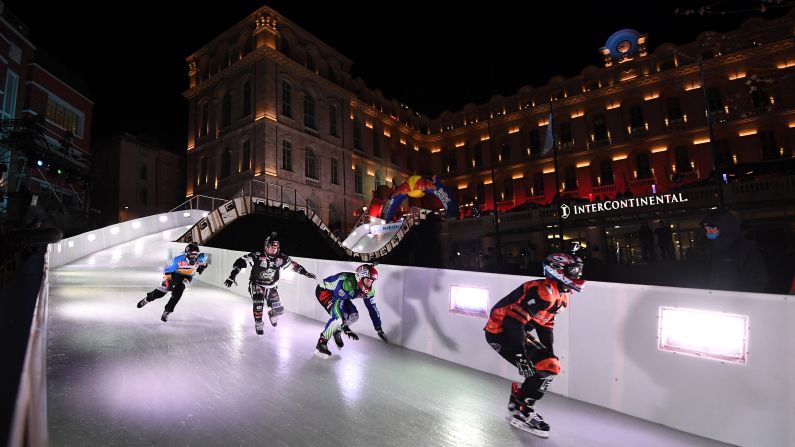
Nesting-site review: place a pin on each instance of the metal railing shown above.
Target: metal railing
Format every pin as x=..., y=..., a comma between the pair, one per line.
x=200, y=203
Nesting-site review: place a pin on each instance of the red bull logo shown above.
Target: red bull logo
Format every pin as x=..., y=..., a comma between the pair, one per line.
x=417, y=185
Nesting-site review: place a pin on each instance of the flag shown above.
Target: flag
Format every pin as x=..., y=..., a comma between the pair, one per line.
x=548, y=139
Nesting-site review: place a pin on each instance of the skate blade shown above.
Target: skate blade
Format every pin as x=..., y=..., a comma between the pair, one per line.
x=320, y=355
x=524, y=427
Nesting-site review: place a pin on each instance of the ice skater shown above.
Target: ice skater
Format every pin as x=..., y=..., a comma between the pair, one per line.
x=533, y=306
x=336, y=294
x=265, y=268
x=176, y=276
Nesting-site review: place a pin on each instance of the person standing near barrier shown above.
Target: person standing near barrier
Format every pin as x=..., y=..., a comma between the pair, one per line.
x=735, y=262
x=533, y=306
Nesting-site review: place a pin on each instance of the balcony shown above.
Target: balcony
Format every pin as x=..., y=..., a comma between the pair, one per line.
x=604, y=189
x=538, y=200
x=641, y=187
x=312, y=182
x=505, y=205
x=571, y=194
x=676, y=124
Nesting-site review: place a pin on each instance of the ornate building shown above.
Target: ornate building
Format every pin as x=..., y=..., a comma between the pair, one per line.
x=268, y=101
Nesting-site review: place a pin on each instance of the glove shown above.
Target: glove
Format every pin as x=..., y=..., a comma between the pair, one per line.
x=383, y=336
x=310, y=275
x=200, y=269
x=350, y=333
x=525, y=369
x=229, y=281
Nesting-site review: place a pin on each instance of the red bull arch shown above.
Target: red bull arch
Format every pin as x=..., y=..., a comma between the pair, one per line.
x=416, y=187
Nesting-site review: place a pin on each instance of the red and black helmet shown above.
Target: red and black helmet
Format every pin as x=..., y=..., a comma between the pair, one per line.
x=566, y=268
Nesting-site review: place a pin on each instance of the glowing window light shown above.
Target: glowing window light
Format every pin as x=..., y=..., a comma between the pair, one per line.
x=163, y=218
x=59, y=248
x=469, y=300
x=186, y=214
x=114, y=230
x=712, y=335
x=70, y=244
x=91, y=237
x=136, y=225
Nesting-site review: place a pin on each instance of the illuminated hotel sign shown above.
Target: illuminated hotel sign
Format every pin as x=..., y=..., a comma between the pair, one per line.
x=612, y=205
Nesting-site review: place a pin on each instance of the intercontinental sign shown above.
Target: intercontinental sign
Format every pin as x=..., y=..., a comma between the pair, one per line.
x=612, y=205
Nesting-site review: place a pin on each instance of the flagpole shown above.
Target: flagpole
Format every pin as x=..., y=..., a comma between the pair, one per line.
x=497, y=241
x=558, y=199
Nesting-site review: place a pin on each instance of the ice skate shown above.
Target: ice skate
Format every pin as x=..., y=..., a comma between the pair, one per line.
x=142, y=303
x=273, y=317
x=164, y=317
x=321, y=350
x=259, y=326
x=526, y=419
x=338, y=339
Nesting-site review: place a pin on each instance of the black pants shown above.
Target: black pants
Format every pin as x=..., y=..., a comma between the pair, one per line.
x=176, y=287
x=509, y=345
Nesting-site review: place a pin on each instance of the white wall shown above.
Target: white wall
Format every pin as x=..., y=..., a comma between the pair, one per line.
x=607, y=343
x=82, y=245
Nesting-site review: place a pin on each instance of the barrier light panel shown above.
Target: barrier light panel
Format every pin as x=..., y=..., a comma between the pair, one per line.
x=469, y=300
x=712, y=335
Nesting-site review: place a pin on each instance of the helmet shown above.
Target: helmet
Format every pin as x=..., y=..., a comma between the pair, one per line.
x=272, y=245
x=192, y=250
x=363, y=272
x=565, y=268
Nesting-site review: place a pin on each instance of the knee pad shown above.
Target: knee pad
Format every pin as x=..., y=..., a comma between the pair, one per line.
x=547, y=367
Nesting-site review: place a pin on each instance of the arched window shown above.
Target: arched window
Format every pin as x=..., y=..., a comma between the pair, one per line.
x=226, y=163
x=310, y=164
x=309, y=111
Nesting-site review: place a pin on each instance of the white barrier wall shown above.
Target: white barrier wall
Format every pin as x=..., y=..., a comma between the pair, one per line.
x=76, y=247
x=607, y=343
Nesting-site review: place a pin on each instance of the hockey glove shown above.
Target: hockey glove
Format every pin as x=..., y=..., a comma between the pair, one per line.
x=383, y=336
x=310, y=275
x=229, y=281
x=350, y=333
x=525, y=368
x=200, y=269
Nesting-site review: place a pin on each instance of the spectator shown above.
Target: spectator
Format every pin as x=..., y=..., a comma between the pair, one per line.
x=665, y=240
x=735, y=262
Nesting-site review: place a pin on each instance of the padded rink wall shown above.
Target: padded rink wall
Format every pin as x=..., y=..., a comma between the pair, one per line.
x=607, y=343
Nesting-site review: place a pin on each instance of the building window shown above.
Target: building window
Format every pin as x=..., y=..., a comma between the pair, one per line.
x=61, y=115
x=310, y=63
x=287, y=96
x=310, y=164
x=505, y=153
x=480, y=193
x=535, y=142
x=358, y=180
x=285, y=47
x=226, y=110
x=202, y=171
x=10, y=97
x=357, y=134
x=508, y=189
x=606, y=171
x=204, y=129
x=538, y=184
x=452, y=161
x=478, y=156
x=636, y=122
x=335, y=179
x=566, y=137
x=643, y=165
x=674, y=110
x=714, y=100
x=376, y=143
x=768, y=142
x=723, y=153
x=309, y=111
x=682, y=159
x=332, y=121
x=570, y=177
x=287, y=155
x=759, y=96
x=409, y=160
x=247, y=98
x=144, y=172
x=378, y=180
x=245, y=156
x=143, y=197
x=599, y=128
x=226, y=163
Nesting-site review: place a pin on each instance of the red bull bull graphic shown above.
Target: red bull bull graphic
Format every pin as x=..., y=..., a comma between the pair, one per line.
x=416, y=187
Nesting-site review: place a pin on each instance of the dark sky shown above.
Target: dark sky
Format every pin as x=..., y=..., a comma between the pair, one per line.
x=431, y=59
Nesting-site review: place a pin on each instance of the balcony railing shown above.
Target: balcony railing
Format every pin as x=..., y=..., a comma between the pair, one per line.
x=641, y=187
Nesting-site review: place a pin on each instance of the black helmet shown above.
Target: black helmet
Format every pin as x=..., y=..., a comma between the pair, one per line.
x=192, y=250
x=273, y=244
x=565, y=268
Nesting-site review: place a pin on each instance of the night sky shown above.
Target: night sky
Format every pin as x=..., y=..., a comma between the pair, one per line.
x=432, y=60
